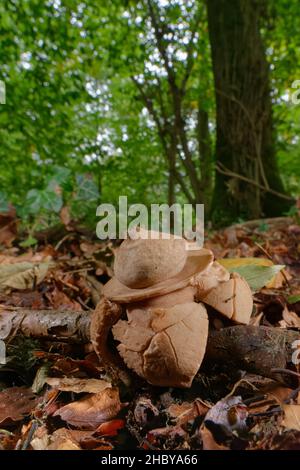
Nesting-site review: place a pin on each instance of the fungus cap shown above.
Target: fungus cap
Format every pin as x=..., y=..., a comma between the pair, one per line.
x=146, y=268
x=145, y=262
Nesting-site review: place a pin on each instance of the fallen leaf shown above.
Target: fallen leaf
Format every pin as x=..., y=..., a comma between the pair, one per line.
x=15, y=404
x=110, y=428
x=170, y=433
x=230, y=414
x=76, y=367
x=290, y=318
x=291, y=418
x=187, y=412
x=62, y=439
x=65, y=216
x=8, y=226
x=277, y=392
x=59, y=300
x=22, y=275
x=40, y=438
x=89, y=412
x=274, y=395
x=293, y=299
x=75, y=385
x=144, y=411
x=208, y=440
x=40, y=378
x=258, y=272
x=272, y=279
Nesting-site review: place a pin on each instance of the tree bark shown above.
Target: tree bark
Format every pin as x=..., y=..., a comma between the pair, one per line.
x=205, y=155
x=255, y=349
x=245, y=136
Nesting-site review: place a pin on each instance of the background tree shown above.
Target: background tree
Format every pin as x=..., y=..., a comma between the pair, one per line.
x=247, y=181
x=117, y=97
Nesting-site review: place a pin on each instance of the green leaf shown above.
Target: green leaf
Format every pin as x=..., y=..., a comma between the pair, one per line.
x=30, y=241
x=47, y=200
x=292, y=299
x=60, y=174
x=87, y=189
x=4, y=207
x=257, y=276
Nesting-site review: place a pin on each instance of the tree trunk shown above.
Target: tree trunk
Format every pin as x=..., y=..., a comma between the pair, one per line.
x=205, y=154
x=245, y=137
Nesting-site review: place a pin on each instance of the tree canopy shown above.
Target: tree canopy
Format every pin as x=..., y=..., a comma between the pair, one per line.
x=118, y=97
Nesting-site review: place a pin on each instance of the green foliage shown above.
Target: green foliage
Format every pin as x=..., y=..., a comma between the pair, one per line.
x=257, y=276
x=74, y=130
x=62, y=188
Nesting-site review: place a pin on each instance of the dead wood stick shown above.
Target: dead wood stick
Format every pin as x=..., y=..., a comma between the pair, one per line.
x=57, y=325
x=256, y=349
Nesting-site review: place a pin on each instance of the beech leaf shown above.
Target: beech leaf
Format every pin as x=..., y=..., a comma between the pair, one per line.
x=291, y=417
x=75, y=385
x=258, y=274
x=89, y=412
x=15, y=403
x=22, y=275
x=267, y=275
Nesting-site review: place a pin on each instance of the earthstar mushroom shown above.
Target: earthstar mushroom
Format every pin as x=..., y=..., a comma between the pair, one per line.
x=154, y=306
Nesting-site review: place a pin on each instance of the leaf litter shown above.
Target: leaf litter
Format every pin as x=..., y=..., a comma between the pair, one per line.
x=76, y=406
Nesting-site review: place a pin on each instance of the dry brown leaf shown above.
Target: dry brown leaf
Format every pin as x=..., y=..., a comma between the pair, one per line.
x=59, y=300
x=187, y=412
x=279, y=393
x=172, y=433
x=256, y=321
x=208, y=440
x=62, y=439
x=144, y=411
x=8, y=227
x=274, y=395
x=290, y=318
x=65, y=216
x=110, y=428
x=40, y=439
x=75, y=385
x=291, y=418
x=89, y=412
x=15, y=404
x=22, y=275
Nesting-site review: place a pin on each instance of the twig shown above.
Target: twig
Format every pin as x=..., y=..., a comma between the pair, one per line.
x=60, y=242
x=285, y=371
x=225, y=171
x=237, y=384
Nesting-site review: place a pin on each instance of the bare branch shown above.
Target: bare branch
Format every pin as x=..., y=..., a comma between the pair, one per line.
x=225, y=171
x=190, y=58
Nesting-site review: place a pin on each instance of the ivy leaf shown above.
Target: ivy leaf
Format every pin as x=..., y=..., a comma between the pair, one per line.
x=4, y=207
x=47, y=200
x=87, y=189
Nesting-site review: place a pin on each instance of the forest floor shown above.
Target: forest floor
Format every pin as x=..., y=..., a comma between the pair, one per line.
x=54, y=393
